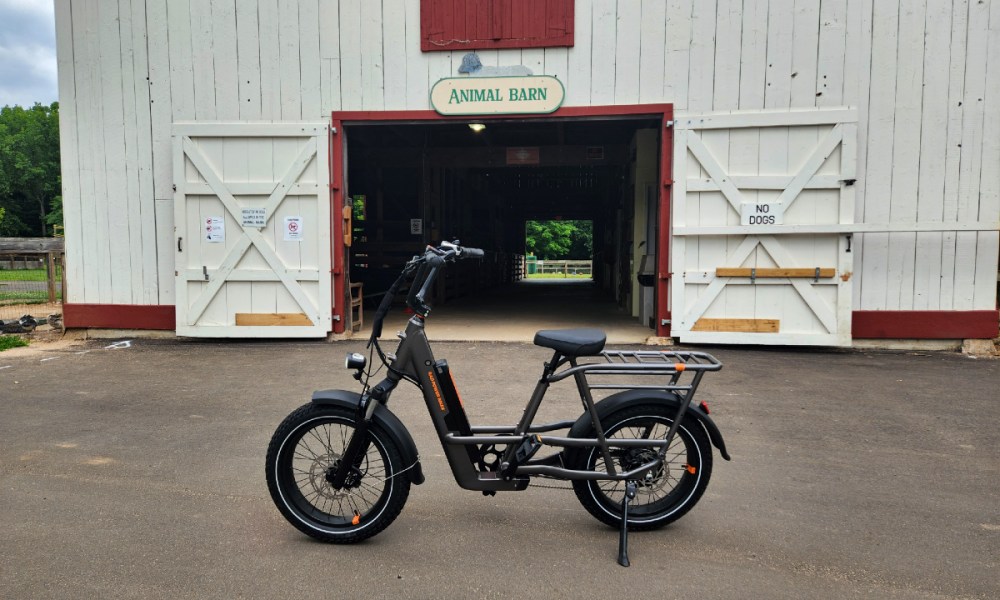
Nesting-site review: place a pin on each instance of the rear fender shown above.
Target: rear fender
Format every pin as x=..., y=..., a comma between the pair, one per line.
x=385, y=419
x=620, y=400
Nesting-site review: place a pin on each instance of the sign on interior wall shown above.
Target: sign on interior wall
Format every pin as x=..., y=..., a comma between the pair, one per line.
x=538, y=94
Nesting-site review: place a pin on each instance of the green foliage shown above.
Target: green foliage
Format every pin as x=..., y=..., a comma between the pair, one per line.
x=29, y=170
x=11, y=341
x=556, y=240
x=27, y=274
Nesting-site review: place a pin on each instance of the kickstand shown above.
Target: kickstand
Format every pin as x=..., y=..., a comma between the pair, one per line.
x=623, y=536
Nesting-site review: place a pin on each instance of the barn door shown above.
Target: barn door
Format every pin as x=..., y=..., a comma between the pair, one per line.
x=762, y=214
x=252, y=217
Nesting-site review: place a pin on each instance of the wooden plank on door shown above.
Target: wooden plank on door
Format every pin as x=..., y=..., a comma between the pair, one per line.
x=738, y=325
x=820, y=272
x=271, y=319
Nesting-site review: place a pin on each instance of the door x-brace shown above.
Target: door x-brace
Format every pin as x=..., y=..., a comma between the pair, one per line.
x=251, y=236
x=823, y=311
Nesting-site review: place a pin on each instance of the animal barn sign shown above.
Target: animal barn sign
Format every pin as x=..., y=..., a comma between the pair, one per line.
x=497, y=95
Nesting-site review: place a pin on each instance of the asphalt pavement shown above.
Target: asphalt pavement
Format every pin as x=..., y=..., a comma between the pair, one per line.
x=136, y=470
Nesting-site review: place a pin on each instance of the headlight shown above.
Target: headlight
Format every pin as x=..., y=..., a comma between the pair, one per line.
x=355, y=361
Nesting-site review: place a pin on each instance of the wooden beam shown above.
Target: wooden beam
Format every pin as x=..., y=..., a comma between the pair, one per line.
x=740, y=325
x=824, y=273
x=31, y=245
x=269, y=319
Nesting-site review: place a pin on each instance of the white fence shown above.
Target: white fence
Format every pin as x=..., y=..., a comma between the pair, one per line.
x=558, y=268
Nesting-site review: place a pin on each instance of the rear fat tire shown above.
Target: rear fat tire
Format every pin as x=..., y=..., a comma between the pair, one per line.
x=670, y=494
x=302, y=450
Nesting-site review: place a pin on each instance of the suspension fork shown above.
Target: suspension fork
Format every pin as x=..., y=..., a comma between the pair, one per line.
x=357, y=446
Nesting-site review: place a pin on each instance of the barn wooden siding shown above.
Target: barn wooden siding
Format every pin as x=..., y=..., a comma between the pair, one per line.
x=924, y=75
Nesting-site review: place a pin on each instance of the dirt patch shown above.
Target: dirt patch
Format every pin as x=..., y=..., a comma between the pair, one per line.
x=45, y=339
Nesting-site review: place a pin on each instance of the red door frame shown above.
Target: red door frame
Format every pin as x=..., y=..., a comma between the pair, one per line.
x=337, y=163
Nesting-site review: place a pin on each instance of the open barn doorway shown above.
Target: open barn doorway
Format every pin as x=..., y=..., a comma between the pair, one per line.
x=412, y=183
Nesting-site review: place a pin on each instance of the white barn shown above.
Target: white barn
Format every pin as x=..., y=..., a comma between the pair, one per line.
x=788, y=171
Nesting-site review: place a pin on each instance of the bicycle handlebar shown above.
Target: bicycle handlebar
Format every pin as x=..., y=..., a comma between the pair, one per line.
x=427, y=266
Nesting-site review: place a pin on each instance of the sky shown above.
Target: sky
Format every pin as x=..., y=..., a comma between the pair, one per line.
x=27, y=52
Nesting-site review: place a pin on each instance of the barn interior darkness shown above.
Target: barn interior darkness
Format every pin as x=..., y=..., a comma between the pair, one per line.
x=412, y=184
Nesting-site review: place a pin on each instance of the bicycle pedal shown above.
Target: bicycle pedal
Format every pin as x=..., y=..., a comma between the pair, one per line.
x=527, y=449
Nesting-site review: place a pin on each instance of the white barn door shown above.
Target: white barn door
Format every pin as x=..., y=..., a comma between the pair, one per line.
x=252, y=219
x=762, y=213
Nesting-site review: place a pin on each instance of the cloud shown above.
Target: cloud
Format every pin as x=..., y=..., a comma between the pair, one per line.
x=27, y=52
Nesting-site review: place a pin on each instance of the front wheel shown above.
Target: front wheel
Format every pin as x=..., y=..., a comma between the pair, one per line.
x=669, y=492
x=303, y=453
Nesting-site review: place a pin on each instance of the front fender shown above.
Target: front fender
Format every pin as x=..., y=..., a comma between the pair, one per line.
x=617, y=401
x=385, y=419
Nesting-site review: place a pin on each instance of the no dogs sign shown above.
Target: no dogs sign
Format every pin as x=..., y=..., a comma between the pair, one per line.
x=293, y=229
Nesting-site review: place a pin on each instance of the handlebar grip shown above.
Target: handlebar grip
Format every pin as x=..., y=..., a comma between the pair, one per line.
x=472, y=253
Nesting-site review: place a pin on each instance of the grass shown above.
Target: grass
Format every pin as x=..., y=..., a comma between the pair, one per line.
x=11, y=341
x=26, y=274
x=26, y=297
x=557, y=276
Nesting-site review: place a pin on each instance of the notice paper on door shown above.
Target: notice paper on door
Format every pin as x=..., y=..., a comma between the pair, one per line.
x=293, y=229
x=215, y=230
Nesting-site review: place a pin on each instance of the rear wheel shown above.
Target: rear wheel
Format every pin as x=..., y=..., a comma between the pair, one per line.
x=301, y=458
x=669, y=492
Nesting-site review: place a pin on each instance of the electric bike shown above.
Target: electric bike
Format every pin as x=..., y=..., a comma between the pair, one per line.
x=340, y=467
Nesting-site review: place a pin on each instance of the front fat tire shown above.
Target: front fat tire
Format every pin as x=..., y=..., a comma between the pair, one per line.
x=671, y=494
x=301, y=451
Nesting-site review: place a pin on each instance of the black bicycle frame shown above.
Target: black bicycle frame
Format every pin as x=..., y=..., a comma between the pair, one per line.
x=461, y=441
x=465, y=445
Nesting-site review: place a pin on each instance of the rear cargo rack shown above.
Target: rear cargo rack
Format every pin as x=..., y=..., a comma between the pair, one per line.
x=681, y=371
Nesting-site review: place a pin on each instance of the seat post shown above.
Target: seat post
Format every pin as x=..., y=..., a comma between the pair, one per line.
x=536, y=397
x=552, y=365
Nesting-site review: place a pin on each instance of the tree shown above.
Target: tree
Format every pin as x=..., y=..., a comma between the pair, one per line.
x=554, y=240
x=29, y=168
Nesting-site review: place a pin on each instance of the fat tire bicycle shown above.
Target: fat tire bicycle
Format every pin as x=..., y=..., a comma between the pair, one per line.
x=340, y=467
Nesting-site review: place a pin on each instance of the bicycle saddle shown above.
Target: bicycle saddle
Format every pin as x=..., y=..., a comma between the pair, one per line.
x=572, y=342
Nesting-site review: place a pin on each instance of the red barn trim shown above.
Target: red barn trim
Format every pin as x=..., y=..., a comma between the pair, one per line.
x=867, y=324
x=492, y=24
x=120, y=316
x=925, y=324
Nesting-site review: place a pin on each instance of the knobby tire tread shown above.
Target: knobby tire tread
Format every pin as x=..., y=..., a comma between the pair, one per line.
x=608, y=511
x=281, y=487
